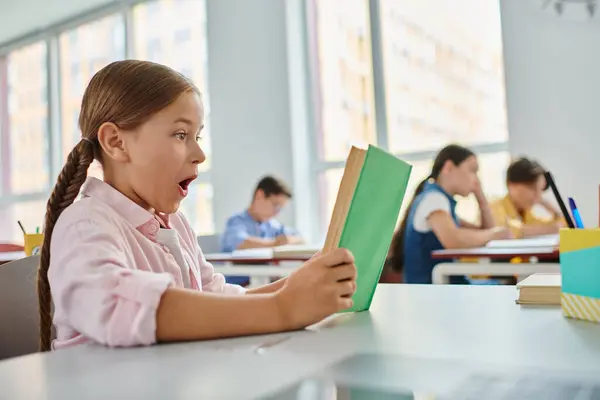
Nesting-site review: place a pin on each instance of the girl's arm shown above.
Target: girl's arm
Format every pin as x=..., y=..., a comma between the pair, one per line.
x=270, y=288
x=275, y=286
x=314, y=291
x=548, y=228
x=487, y=218
x=455, y=237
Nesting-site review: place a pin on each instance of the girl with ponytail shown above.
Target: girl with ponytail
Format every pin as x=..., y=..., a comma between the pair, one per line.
x=121, y=266
x=431, y=223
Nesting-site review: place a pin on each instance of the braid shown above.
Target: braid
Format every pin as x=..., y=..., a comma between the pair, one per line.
x=67, y=187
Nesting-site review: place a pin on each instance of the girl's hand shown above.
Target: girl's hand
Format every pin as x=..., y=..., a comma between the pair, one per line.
x=478, y=190
x=502, y=233
x=322, y=286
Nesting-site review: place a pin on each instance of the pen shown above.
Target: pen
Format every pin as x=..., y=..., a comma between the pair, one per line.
x=575, y=212
x=21, y=226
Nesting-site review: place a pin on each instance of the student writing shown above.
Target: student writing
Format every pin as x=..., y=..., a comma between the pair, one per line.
x=122, y=264
x=256, y=226
x=431, y=222
x=525, y=184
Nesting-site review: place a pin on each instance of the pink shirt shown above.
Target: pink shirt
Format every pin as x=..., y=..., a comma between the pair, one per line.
x=110, y=264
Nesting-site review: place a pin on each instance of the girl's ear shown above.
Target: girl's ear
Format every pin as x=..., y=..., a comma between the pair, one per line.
x=448, y=166
x=111, y=141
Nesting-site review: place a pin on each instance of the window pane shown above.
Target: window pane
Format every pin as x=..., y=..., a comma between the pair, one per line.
x=26, y=140
x=444, y=76
x=197, y=208
x=173, y=33
x=31, y=215
x=83, y=52
x=344, y=77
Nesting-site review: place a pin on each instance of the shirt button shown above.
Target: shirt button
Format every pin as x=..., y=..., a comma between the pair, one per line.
x=152, y=230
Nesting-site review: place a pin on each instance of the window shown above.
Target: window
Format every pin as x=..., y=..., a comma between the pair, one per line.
x=26, y=161
x=173, y=33
x=197, y=208
x=84, y=51
x=448, y=84
x=442, y=81
x=344, y=77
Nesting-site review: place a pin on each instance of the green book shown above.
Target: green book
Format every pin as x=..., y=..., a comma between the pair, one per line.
x=365, y=214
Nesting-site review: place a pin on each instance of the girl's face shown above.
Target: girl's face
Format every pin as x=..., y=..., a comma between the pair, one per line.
x=463, y=177
x=159, y=159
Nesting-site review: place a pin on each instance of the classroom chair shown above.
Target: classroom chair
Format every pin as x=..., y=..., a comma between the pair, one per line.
x=210, y=243
x=18, y=308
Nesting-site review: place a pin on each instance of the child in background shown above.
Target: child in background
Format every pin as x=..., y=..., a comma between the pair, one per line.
x=431, y=223
x=526, y=183
x=122, y=265
x=257, y=227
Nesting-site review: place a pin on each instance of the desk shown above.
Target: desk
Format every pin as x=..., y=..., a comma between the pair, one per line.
x=442, y=271
x=259, y=269
x=442, y=322
x=11, y=256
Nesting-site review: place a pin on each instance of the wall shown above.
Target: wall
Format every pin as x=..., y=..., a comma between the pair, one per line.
x=250, y=100
x=552, y=88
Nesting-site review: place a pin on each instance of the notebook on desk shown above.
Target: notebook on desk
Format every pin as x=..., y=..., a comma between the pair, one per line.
x=539, y=241
x=365, y=214
x=288, y=250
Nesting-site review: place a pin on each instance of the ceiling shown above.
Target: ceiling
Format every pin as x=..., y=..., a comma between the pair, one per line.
x=21, y=17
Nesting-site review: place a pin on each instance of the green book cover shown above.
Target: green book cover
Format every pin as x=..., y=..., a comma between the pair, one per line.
x=371, y=219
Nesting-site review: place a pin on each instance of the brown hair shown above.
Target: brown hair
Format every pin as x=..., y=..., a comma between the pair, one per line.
x=272, y=186
x=524, y=170
x=126, y=93
x=453, y=153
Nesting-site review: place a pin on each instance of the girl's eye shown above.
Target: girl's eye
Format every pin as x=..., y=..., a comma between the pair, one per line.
x=181, y=135
x=198, y=138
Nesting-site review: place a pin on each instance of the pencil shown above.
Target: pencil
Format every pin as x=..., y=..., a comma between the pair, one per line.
x=21, y=226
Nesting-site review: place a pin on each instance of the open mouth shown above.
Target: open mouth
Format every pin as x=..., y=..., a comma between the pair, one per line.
x=183, y=186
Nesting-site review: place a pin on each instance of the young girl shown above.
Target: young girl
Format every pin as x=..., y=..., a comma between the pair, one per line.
x=122, y=265
x=431, y=222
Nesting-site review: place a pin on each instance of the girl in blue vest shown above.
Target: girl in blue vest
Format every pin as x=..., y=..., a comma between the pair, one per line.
x=431, y=223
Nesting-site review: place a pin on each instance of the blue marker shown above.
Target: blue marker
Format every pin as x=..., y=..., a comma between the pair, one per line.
x=575, y=212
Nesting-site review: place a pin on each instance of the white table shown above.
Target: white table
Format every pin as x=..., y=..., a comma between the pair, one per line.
x=462, y=324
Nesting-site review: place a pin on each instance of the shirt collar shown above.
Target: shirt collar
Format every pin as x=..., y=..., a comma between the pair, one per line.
x=143, y=220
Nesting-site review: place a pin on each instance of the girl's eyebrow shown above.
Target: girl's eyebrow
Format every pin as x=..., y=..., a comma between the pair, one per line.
x=184, y=120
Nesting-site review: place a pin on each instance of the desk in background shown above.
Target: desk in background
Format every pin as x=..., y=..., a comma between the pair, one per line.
x=260, y=269
x=439, y=323
x=484, y=265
